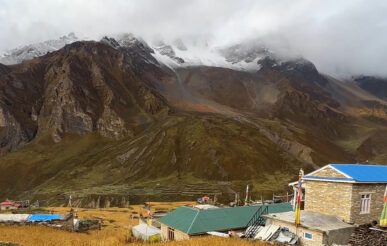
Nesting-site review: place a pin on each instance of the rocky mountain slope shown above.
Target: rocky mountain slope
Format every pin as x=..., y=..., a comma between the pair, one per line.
x=119, y=118
x=376, y=86
x=84, y=87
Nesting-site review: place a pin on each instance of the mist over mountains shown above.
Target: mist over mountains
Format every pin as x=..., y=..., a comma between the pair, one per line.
x=345, y=40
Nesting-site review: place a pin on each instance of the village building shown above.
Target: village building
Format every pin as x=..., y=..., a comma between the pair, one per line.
x=146, y=232
x=186, y=222
x=315, y=230
x=352, y=192
x=336, y=199
x=9, y=205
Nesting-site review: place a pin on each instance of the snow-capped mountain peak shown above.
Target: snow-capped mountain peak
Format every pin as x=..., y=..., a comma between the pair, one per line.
x=174, y=54
x=31, y=51
x=179, y=54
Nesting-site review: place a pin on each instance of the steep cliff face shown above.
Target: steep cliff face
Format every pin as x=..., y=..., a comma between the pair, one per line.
x=20, y=99
x=85, y=87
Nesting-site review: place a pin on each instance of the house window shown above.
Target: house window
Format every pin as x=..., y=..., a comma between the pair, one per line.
x=171, y=234
x=308, y=236
x=365, y=207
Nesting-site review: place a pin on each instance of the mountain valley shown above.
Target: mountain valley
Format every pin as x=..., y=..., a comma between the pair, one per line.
x=120, y=118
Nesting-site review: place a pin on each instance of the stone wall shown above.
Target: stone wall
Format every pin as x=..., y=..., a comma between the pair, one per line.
x=344, y=200
x=329, y=198
x=178, y=234
x=181, y=235
x=164, y=232
x=318, y=237
x=338, y=237
x=329, y=173
x=377, y=194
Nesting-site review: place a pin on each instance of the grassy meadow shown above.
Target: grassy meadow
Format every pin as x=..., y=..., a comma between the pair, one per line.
x=116, y=228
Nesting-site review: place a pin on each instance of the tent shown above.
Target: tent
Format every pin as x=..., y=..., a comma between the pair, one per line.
x=14, y=217
x=146, y=233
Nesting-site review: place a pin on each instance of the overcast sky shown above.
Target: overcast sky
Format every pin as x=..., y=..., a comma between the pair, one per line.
x=341, y=36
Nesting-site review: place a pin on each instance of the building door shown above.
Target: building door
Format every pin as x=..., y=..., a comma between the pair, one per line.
x=171, y=234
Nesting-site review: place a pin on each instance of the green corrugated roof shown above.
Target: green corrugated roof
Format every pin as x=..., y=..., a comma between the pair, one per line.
x=279, y=207
x=196, y=221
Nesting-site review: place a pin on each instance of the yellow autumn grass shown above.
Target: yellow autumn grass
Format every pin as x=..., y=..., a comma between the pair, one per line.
x=43, y=236
x=115, y=231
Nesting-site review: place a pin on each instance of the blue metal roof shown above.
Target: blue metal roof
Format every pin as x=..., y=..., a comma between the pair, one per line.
x=363, y=173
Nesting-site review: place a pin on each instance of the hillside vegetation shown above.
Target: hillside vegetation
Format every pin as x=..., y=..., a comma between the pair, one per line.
x=110, y=125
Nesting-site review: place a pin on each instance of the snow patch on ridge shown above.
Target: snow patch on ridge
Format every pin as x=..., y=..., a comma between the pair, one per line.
x=31, y=51
x=201, y=56
x=174, y=55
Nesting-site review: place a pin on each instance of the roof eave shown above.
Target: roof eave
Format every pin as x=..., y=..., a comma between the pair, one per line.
x=291, y=223
x=346, y=181
x=268, y=216
x=221, y=229
x=332, y=165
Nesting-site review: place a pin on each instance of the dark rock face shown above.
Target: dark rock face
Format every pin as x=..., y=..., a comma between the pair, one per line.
x=299, y=69
x=167, y=50
x=19, y=102
x=299, y=74
x=376, y=86
x=85, y=87
x=244, y=52
x=110, y=41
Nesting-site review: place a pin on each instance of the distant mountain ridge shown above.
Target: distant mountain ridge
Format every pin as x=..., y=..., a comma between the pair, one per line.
x=120, y=116
x=376, y=86
x=175, y=54
x=28, y=52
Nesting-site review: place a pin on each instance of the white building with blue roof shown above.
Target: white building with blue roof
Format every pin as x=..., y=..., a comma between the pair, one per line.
x=352, y=192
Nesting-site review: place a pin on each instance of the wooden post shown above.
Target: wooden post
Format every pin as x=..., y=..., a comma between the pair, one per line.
x=247, y=195
x=70, y=204
x=287, y=196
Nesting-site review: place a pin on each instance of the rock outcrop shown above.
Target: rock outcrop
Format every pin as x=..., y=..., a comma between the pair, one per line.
x=85, y=87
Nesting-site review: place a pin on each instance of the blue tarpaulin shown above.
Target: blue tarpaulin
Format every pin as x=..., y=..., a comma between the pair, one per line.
x=44, y=217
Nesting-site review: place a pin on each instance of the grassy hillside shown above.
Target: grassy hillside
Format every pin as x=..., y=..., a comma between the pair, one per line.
x=181, y=157
x=178, y=151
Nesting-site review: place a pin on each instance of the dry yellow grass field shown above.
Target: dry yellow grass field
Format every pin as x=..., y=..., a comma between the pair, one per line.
x=115, y=231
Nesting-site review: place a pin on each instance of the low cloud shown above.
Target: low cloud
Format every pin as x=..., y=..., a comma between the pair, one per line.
x=342, y=38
